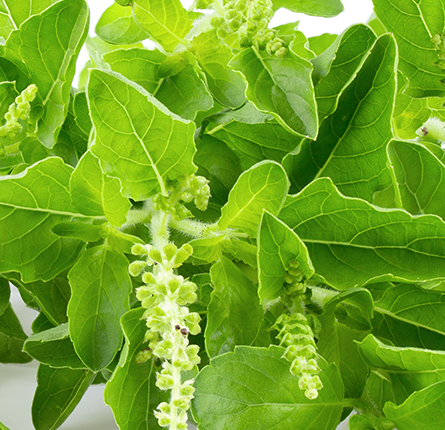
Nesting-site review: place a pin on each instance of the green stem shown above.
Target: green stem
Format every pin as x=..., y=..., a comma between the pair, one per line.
x=159, y=229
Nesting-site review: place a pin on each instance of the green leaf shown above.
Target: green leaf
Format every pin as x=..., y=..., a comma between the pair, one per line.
x=409, y=369
x=227, y=86
x=378, y=391
x=52, y=297
x=263, y=186
x=219, y=164
x=8, y=93
x=80, y=230
x=165, y=20
x=21, y=11
x=360, y=422
x=419, y=178
x=234, y=316
x=277, y=246
x=337, y=344
x=130, y=391
x=137, y=138
x=282, y=87
x=252, y=388
x=253, y=140
x=319, y=44
x=415, y=306
x=12, y=337
x=51, y=66
x=101, y=288
x=335, y=69
x=58, y=393
x=94, y=194
x=325, y=8
x=117, y=26
x=351, y=146
x=364, y=243
x=137, y=64
x=206, y=250
x=185, y=94
x=423, y=410
x=413, y=25
x=31, y=204
x=54, y=348
x=5, y=293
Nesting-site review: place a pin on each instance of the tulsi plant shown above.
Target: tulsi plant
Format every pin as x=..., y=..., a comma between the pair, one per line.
x=242, y=228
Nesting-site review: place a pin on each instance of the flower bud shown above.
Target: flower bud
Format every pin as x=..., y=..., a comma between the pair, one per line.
x=138, y=249
x=164, y=382
x=143, y=356
x=136, y=267
x=170, y=251
x=181, y=404
x=148, y=278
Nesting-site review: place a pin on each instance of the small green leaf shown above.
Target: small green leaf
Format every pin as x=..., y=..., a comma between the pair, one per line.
x=263, y=186
x=54, y=348
x=277, y=246
x=58, y=393
x=378, y=391
x=360, y=422
x=227, y=86
x=282, y=87
x=101, y=288
x=131, y=391
x=80, y=230
x=165, y=20
x=12, y=337
x=364, y=243
x=51, y=66
x=94, y=193
x=419, y=178
x=252, y=140
x=409, y=369
x=52, y=297
x=137, y=64
x=325, y=8
x=417, y=55
x=234, y=316
x=137, y=138
x=117, y=26
x=252, y=388
x=423, y=410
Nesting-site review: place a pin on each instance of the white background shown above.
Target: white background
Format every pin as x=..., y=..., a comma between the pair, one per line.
x=18, y=381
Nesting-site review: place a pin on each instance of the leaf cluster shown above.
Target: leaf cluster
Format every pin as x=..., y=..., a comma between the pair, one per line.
x=326, y=170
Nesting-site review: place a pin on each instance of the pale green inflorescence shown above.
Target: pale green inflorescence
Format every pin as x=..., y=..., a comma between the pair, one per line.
x=249, y=20
x=18, y=111
x=165, y=296
x=295, y=333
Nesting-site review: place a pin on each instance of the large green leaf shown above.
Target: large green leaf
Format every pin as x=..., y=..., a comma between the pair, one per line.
x=58, y=393
x=378, y=391
x=94, y=193
x=5, y=294
x=50, y=65
x=326, y=8
x=409, y=369
x=31, y=204
x=364, y=243
x=420, y=178
x=252, y=135
x=282, y=87
x=351, y=146
x=263, y=186
x=412, y=305
x=413, y=24
x=234, y=316
x=277, y=246
x=117, y=26
x=101, y=288
x=344, y=58
x=54, y=348
x=423, y=410
x=165, y=20
x=137, y=138
x=226, y=85
x=130, y=392
x=252, y=388
x=12, y=337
